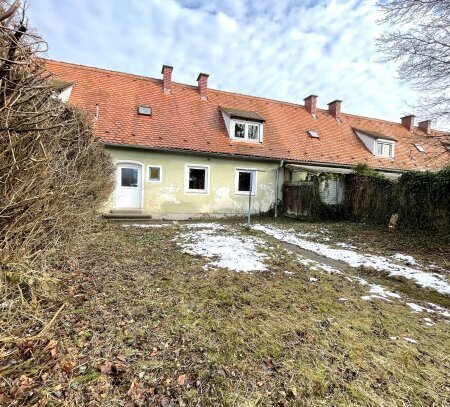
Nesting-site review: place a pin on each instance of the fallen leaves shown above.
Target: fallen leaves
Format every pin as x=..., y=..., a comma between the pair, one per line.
x=52, y=347
x=181, y=379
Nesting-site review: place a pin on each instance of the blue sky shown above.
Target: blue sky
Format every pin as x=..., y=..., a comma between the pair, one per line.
x=283, y=49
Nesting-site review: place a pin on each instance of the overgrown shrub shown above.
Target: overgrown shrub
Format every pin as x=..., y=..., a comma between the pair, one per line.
x=421, y=199
x=54, y=174
x=424, y=200
x=370, y=198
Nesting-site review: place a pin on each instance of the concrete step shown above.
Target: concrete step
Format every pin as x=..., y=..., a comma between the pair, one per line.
x=128, y=214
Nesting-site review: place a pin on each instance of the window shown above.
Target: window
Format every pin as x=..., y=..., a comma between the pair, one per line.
x=243, y=179
x=145, y=110
x=239, y=130
x=154, y=173
x=129, y=177
x=246, y=131
x=419, y=148
x=253, y=131
x=197, y=179
x=313, y=134
x=384, y=149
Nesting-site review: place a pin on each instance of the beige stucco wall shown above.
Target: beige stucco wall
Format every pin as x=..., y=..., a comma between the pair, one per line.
x=168, y=199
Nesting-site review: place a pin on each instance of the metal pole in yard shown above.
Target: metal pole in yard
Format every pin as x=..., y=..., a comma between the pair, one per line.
x=250, y=198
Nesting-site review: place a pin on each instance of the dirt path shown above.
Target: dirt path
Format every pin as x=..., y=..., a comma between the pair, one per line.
x=340, y=265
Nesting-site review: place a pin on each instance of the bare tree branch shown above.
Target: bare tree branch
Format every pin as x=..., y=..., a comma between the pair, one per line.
x=417, y=38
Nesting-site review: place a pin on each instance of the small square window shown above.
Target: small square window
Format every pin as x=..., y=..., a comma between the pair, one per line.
x=245, y=179
x=154, y=173
x=197, y=179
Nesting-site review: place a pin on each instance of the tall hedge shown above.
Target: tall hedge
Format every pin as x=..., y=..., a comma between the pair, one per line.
x=421, y=199
x=424, y=200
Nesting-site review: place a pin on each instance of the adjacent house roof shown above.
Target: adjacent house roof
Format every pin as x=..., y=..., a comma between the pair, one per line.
x=182, y=121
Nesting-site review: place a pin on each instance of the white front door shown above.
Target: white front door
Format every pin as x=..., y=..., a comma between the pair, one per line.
x=129, y=186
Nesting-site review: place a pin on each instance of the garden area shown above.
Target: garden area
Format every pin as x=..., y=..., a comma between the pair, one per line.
x=284, y=313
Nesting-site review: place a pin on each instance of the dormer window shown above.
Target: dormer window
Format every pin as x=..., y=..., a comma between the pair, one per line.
x=384, y=148
x=246, y=130
x=243, y=125
x=62, y=89
x=378, y=144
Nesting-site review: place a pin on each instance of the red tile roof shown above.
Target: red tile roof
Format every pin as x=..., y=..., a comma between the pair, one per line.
x=182, y=121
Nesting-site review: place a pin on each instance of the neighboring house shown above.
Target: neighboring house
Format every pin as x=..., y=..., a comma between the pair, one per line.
x=187, y=151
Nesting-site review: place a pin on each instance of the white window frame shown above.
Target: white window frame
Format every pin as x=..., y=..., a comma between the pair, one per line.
x=187, y=167
x=254, y=181
x=384, y=142
x=148, y=173
x=246, y=124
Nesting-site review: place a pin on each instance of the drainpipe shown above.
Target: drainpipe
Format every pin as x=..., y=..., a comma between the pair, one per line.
x=276, y=187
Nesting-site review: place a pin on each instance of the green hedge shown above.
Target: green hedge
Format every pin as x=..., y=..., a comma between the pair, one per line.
x=421, y=199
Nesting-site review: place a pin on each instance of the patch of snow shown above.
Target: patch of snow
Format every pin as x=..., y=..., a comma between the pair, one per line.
x=393, y=338
x=361, y=281
x=314, y=265
x=380, y=297
x=438, y=309
x=346, y=245
x=410, y=340
x=235, y=253
x=404, y=257
x=313, y=279
x=290, y=273
x=356, y=260
x=380, y=291
x=415, y=307
x=342, y=299
x=428, y=322
x=204, y=225
x=366, y=297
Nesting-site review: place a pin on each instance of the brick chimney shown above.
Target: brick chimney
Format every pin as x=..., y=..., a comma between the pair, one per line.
x=408, y=122
x=311, y=104
x=334, y=108
x=425, y=126
x=167, y=78
x=202, y=80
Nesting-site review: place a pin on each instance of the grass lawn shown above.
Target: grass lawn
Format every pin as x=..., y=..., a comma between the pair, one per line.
x=146, y=324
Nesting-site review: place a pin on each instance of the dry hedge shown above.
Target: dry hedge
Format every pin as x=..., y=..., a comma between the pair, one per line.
x=54, y=174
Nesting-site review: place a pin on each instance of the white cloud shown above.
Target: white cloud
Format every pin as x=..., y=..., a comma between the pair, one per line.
x=284, y=51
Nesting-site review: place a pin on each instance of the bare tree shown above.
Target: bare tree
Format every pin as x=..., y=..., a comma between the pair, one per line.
x=417, y=37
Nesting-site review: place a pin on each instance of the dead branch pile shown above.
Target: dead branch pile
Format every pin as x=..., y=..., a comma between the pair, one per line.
x=54, y=175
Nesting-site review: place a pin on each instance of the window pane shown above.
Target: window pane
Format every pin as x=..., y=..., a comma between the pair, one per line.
x=239, y=130
x=154, y=174
x=197, y=178
x=129, y=177
x=380, y=148
x=252, y=132
x=244, y=181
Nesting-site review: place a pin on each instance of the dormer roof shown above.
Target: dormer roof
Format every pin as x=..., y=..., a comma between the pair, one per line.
x=242, y=114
